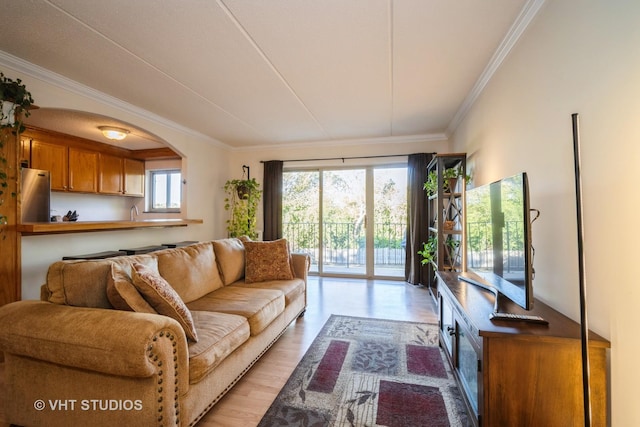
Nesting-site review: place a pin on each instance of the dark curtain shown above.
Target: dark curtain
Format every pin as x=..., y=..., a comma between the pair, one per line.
x=417, y=221
x=272, y=200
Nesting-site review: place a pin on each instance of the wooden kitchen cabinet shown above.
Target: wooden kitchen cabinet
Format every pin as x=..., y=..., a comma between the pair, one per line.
x=133, y=178
x=83, y=170
x=81, y=166
x=51, y=157
x=110, y=174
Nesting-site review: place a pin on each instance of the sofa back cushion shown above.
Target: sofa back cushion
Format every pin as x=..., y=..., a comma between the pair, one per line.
x=190, y=270
x=122, y=293
x=84, y=283
x=230, y=259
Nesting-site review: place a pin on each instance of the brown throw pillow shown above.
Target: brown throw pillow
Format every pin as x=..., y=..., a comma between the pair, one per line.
x=267, y=261
x=122, y=293
x=163, y=298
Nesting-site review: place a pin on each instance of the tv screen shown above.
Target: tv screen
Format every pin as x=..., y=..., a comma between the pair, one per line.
x=498, y=245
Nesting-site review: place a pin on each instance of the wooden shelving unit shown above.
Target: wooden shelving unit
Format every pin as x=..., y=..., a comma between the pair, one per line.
x=446, y=215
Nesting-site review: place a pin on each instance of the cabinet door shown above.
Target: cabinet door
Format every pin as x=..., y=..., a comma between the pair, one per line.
x=468, y=363
x=447, y=328
x=51, y=157
x=110, y=174
x=133, y=178
x=83, y=170
x=24, y=155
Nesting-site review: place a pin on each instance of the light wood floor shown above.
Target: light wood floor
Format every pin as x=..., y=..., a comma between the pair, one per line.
x=247, y=402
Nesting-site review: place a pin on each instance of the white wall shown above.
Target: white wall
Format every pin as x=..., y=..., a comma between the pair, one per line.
x=576, y=57
x=205, y=167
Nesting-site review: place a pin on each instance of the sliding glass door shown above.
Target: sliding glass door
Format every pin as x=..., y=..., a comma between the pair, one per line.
x=344, y=222
x=351, y=222
x=390, y=221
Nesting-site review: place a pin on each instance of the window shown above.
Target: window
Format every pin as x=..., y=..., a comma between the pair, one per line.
x=166, y=190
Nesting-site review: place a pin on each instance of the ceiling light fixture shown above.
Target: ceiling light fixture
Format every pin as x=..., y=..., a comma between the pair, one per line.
x=114, y=133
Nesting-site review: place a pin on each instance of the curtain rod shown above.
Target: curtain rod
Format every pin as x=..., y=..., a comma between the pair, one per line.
x=346, y=158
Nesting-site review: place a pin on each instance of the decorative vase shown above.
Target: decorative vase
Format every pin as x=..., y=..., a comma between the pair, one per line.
x=8, y=113
x=452, y=182
x=243, y=192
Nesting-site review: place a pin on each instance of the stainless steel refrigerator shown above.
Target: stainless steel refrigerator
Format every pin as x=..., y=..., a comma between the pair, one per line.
x=35, y=195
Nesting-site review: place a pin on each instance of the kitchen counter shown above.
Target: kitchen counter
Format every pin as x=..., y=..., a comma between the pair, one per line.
x=38, y=228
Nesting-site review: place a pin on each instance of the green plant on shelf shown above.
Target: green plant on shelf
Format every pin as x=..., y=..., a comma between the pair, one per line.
x=431, y=184
x=449, y=177
x=429, y=250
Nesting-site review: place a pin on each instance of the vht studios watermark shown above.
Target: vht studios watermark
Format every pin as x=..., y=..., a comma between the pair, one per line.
x=88, y=405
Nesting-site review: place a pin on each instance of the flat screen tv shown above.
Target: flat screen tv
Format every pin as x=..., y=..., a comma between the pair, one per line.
x=498, y=245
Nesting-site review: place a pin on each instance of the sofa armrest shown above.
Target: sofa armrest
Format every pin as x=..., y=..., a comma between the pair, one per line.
x=88, y=338
x=301, y=264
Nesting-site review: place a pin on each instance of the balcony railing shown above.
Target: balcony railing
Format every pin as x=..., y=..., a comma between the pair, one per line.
x=344, y=243
x=480, y=253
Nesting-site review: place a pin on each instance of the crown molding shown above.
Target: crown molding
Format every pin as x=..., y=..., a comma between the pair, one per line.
x=47, y=76
x=527, y=14
x=405, y=139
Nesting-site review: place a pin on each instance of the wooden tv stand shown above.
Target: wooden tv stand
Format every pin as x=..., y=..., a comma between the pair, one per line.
x=515, y=373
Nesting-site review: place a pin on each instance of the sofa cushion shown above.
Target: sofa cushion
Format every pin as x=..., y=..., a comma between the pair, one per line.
x=291, y=289
x=267, y=261
x=219, y=334
x=230, y=259
x=190, y=270
x=83, y=283
x=123, y=294
x=259, y=306
x=163, y=298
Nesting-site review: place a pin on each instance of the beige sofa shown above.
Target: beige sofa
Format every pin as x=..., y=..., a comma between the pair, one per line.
x=74, y=359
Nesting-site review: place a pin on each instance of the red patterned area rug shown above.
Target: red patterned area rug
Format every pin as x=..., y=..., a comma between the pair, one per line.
x=370, y=372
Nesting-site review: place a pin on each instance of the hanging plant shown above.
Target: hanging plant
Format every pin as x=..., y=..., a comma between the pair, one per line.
x=15, y=103
x=243, y=196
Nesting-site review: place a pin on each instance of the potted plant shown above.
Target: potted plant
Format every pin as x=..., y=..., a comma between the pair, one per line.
x=428, y=251
x=243, y=196
x=15, y=102
x=450, y=177
x=431, y=184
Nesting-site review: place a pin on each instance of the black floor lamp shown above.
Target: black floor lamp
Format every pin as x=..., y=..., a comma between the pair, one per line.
x=581, y=267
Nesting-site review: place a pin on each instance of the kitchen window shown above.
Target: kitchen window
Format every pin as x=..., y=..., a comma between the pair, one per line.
x=166, y=190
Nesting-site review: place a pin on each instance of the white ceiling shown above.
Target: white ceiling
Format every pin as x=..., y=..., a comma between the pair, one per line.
x=255, y=73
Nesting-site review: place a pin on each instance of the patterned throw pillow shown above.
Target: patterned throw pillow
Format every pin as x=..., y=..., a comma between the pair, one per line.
x=267, y=261
x=163, y=298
